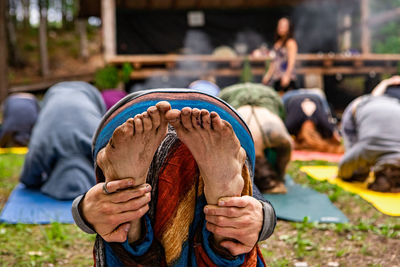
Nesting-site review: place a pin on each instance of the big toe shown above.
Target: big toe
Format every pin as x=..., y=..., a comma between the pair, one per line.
x=163, y=106
x=173, y=117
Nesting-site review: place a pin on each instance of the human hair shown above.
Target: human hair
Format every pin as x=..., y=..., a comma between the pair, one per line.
x=288, y=36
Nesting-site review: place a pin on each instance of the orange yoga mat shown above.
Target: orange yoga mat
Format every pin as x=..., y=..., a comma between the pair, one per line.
x=313, y=155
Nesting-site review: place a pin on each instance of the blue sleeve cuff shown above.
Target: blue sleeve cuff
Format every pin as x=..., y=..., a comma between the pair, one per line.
x=217, y=259
x=140, y=249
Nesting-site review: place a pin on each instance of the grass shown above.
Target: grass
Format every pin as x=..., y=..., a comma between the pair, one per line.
x=369, y=239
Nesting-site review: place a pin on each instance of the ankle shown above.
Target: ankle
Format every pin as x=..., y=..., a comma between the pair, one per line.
x=135, y=231
x=231, y=188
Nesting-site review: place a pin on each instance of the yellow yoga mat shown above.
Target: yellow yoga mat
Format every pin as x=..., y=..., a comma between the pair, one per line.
x=14, y=150
x=387, y=203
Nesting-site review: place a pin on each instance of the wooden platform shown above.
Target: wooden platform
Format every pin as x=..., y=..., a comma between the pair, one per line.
x=317, y=64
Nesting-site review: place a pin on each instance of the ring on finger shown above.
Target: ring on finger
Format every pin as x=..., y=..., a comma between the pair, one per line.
x=105, y=189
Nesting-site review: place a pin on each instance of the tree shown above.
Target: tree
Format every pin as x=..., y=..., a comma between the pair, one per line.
x=15, y=57
x=44, y=57
x=3, y=51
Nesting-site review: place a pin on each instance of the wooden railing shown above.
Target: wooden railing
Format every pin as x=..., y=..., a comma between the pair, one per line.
x=321, y=64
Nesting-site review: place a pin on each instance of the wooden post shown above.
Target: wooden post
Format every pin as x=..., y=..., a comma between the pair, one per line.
x=365, y=33
x=346, y=42
x=109, y=28
x=3, y=52
x=81, y=25
x=44, y=57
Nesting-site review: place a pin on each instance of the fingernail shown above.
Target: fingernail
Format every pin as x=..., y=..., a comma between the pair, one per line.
x=130, y=182
x=148, y=188
x=126, y=227
x=205, y=210
x=221, y=203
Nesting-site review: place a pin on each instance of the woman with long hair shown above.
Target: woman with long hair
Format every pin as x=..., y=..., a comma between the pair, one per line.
x=281, y=72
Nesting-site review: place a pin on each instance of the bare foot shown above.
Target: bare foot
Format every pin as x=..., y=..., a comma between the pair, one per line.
x=131, y=149
x=215, y=148
x=132, y=146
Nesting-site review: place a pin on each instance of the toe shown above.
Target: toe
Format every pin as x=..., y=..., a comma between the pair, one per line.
x=216, y=121
x=155, y=116
x=205, y=119
x=186, y=118
x=138, y=124
x=196, y=121
x=147, y=124
x=173, y=117
x=163, y=106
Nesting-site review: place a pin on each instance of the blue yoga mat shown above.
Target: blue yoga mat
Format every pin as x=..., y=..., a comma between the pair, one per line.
x=301, y=201
x=32, y=207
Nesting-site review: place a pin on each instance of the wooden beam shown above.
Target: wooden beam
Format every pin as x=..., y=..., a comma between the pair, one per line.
x=108, y=28
x=3, y=52
x=365, y=32
x=163, y=59
x=229, y=72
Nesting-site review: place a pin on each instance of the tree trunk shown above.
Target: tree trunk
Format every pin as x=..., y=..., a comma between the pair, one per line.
x=3, y=52
x=44, y=57
x=25, y=4
x=64, y=13
x=81, y=26
x=14, y=53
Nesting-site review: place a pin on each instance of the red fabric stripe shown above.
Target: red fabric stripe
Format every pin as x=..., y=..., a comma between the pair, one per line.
x=176, y=177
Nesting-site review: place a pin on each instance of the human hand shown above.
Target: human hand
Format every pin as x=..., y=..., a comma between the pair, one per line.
x=265, y=79
x=110, y=214
x=395, y=80
x=285, y=80
x=238, y=218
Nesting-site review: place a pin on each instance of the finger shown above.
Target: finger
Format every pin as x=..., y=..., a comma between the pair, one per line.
x=223, y=221
x=130, y=193
x=133, y=204
x=223, y=211
x=235, y=248
x=239, y=202
x=116, y=185
x=132, y=215
x=227, y=232
x=117, y=235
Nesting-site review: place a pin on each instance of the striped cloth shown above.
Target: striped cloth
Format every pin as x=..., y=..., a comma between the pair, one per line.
x=175, y=233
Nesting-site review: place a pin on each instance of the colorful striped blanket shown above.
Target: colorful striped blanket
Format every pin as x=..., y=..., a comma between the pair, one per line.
x=175, y=224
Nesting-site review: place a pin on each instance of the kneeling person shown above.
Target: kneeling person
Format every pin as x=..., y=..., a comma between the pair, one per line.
x=309, y=120
x=59, y=161
x=261, y=108
x=371, y=128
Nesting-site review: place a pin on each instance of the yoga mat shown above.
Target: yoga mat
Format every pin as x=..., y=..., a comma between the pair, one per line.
x=313, y=155
x=301, y=201
x=387, y=203
x=32, y=207
x=14, y=150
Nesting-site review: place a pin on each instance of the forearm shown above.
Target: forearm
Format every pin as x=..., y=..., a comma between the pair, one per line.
x=380, y=89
